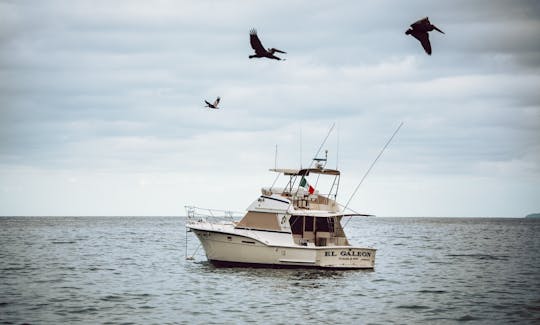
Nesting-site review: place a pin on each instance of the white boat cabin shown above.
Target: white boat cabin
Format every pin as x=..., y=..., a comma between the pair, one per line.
x=306, y=229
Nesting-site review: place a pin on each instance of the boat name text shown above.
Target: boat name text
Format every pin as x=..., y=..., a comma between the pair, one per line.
x=348, y=253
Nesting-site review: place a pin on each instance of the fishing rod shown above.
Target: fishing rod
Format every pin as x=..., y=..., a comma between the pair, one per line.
x=322, y=144
x=319, y=150
x=369, y=169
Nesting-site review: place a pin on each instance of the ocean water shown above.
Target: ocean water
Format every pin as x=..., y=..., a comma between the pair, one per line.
x=132, y=270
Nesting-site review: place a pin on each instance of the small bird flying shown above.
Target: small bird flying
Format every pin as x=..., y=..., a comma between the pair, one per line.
x=214, y=105
x=260, y=51
x=420, y=29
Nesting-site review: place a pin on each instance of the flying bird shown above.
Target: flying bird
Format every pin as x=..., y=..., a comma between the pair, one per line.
x=260, y=51
x=420, y=29
x=214, y=105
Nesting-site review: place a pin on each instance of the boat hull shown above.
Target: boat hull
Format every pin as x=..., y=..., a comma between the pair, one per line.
x=228, y=249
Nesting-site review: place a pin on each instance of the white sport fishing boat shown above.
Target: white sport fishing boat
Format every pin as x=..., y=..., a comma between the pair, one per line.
x=293, y=226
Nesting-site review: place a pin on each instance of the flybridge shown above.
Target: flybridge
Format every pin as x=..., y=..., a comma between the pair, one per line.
x=303, y=193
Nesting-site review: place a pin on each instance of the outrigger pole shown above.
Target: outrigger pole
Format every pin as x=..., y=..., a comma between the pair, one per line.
x=370, y=167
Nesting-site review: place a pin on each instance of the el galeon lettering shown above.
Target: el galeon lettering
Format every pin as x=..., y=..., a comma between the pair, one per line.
x=349, y=253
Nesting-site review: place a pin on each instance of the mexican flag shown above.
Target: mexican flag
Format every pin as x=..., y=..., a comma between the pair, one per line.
x=304, y=184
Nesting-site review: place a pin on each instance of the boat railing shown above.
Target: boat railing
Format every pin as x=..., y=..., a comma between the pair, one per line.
x=215, y=216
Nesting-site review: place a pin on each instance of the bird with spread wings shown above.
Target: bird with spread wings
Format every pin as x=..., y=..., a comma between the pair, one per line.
x=420, y=29
x=260, y=51
x=214, y=105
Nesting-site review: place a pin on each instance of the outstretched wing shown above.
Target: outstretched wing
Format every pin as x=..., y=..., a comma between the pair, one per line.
x=207, y=103
x=437, y=29
x=217, y=102
x=256, y=42
x=421, y=23
x=272, y=50
x=424, y=40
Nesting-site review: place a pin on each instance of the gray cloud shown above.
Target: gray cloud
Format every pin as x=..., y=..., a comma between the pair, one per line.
x=118, y=88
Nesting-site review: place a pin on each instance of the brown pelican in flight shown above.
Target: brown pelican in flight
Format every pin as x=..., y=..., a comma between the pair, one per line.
x=214, y=105
x=420, y=29
x=260, y=51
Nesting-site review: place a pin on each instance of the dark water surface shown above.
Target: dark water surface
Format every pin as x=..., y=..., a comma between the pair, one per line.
x=133, y=270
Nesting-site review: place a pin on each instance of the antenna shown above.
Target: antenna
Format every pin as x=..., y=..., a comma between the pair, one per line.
x=275, y=167
x=300, y=147
x=370, y=167
x=275, y=159
x=337, y=150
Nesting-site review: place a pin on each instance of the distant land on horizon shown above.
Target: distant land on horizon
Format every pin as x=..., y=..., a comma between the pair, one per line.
x=533, y=215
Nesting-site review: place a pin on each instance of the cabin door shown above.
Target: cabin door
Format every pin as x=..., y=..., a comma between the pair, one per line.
x=309, y=229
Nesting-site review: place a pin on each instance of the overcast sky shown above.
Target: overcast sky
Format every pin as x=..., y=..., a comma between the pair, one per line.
x=101, y=104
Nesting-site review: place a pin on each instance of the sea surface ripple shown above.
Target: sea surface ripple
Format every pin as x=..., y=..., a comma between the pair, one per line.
x=132, y=270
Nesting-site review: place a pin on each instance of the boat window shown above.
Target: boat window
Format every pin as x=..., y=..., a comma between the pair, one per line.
x=296, y=223
x=309, y=223
x=324, y=224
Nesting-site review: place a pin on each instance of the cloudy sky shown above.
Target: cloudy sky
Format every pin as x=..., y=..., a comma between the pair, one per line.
x=101, y=104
